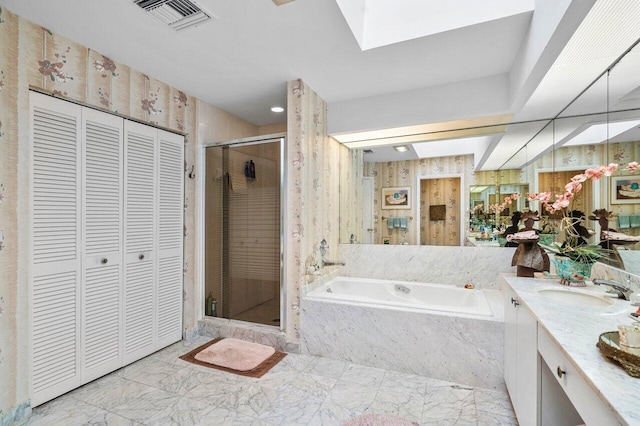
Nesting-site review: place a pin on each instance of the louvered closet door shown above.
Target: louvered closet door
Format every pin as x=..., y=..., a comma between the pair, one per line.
x=55, y=258
x=102, y=243
x=170, y=238
x=140, y=240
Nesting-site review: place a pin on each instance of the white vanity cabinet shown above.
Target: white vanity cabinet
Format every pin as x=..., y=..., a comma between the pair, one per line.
x=545, y=384
x=574, y=388
x=521, y=361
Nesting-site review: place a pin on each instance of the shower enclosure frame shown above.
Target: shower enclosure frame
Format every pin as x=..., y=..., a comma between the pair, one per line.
x=201, y=215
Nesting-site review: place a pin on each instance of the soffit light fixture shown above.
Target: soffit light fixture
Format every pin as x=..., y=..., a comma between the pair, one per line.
x=401, y=148
x=277, y=109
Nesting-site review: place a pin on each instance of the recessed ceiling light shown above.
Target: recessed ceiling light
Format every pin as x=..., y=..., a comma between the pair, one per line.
x=277, y=109
x=401, y=148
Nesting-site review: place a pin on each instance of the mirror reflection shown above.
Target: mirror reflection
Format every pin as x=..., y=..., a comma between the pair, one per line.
x=473, y=198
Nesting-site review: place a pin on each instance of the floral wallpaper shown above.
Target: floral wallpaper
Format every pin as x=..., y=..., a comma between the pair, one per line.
x=11, y=367
x=313, y=191
x=351, y=173
x=33, y=56
x=441, y=191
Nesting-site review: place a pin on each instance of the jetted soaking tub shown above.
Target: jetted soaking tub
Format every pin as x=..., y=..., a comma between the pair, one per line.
x=434, y=330
x=403, y=294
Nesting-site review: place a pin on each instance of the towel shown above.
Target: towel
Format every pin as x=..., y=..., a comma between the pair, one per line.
x=403, y=222
x=391, y=222
x=523, y=236
x=617, y=236
x=623, y=221
x=634, y=221
x=238, y=183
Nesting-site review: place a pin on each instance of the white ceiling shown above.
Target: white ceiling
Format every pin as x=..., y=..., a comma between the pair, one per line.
x=242, y=60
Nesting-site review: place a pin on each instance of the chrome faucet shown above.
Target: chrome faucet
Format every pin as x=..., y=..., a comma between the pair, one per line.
x=324, y=247
x=621, y=290
x=332, y=263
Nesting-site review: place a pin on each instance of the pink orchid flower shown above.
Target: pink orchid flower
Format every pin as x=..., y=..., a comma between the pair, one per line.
x=594, y=174
x=579, y=178
x=608, y=170
x=633, y=166
x=573, y=187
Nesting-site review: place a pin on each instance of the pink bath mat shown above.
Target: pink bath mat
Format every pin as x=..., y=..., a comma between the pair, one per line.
x=235, y=356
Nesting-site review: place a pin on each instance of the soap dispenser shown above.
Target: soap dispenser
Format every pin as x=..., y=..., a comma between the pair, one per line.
x=207, y=306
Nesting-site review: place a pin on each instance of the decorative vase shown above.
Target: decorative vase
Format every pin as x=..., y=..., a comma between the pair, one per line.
x=547, y=239
x=571, y=272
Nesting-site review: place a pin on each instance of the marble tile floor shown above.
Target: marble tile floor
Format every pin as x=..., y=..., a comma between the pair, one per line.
x=301, y=390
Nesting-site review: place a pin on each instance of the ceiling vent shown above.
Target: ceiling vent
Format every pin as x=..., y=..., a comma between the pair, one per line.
x=177, y=14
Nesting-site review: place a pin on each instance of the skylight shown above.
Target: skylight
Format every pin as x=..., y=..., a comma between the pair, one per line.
x=597, y=133
x=376, y=23
x=445, y=148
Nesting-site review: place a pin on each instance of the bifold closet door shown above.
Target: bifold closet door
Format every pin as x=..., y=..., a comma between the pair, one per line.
x=170, y=238
x=140, y=218
x=102, y=199
x=55, y=290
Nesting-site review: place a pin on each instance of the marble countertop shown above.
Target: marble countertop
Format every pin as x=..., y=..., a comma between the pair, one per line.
x=476, y=242
x=576, y=330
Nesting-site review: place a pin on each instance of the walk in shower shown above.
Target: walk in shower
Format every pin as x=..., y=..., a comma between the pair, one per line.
x=243, y=230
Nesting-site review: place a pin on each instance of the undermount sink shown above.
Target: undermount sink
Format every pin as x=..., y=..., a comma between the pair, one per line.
x=574, y=297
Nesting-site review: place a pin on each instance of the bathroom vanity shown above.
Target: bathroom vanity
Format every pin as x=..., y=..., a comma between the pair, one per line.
x=553, y=370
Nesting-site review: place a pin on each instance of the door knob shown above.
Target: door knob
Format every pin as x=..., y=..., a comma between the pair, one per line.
x=141, y=256
x=104, y=260
x=560, y=372
x=369, y=229
x=514, y=302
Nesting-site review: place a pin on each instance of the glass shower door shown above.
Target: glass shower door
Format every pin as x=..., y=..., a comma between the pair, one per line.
x=243, y=238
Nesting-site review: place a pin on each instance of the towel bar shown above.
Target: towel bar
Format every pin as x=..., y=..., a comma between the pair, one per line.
x=408, y=217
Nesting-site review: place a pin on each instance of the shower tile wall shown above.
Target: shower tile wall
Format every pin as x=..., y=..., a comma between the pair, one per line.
x=254, y=230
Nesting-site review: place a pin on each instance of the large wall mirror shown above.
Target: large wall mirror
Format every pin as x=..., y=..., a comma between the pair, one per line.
x=446, y=201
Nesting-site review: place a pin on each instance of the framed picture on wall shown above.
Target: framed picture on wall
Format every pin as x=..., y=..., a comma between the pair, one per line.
x=625, y=189
x=396, y=198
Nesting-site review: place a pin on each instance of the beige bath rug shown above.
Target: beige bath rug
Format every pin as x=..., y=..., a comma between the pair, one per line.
x=235, y=356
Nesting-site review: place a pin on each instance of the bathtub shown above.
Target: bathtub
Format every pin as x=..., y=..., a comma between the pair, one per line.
x=404, y=294
x=432, y=330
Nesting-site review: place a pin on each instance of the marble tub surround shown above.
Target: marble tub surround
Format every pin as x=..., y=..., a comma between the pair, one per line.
x=314, y=281
x=300, y=390
x=480, y=266
x=575, y=329
x=466, y=349
x=256, y=333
